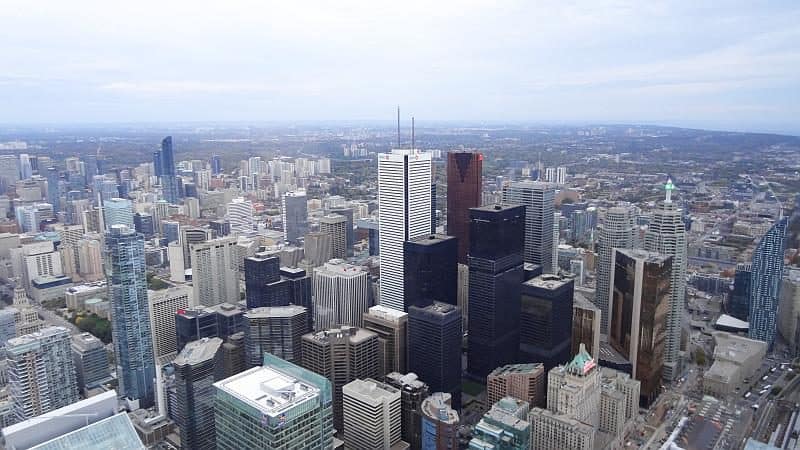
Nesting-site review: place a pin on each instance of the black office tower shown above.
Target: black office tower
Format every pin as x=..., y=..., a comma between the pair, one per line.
x=434, y=347
x=739, y=298
x=497, y=240
x=431, y=271
x=262, y=279
x=545, y=325
x=299, y=289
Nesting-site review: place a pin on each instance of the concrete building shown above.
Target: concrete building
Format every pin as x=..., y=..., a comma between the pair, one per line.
x=522, y=381
x=372, y=416
x=90, y=259
x=91, y=361
x=586, y=318
x=277, y=330
x=574, y=389
x=335, y=226
x=539, y=201
x=391, y=326
x=278, y=405
x=318, y=247
x=197, y=367
x=164, y=304
x=412, y=393
x=736, y=358
x=616, y=230
x=552, y=431
x=504, y=427
x=341, y=294
x=789, y=310
x=215, y=278
x=240, y=215
x=440, y=423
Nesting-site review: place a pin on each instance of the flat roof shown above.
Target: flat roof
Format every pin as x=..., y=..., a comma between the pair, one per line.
x=268, y=390
x=431, y=239
x=548, y=281
x=198, y=351
x=275, y=311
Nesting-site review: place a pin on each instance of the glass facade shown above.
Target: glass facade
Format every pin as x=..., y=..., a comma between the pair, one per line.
x=765, y=282
x=464, y=186
x=431, y=271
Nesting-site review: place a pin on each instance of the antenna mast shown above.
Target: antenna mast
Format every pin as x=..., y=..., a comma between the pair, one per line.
x=413, y=147
x=398, y=126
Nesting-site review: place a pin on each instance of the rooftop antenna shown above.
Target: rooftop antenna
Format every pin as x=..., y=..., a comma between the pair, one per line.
x=398, y=126
x=413, y=147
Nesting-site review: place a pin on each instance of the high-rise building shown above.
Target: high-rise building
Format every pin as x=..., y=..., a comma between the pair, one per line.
x=539, y=201
x=495, y=279
x=336, y=227
x=545, y=331
x=165, y=169
x=765, y=282
x=197, y=322
x=118, y=211
x=439, y=423
x=404, y=183
x=240, y=216
x=574, y=389
x=585, y=326
x=350, y=237
x=341, y=355
x=638, y=313
x=263, y=284
x=133, y=339
x=278, y=405
x=431, y=271
x=91, y=361
x=233, y=355
x=197, y=367
x=216, y=164
x=372, y=416
x=54, y=188
x=739, y=299
x=164, y=304
x=504, y=427
x=666, y=234
x=341, y=294
x=412, y=392
x=41, y=373
x=617, y=230
x=215, y=277
x=90, y=259
x=789, y=310
x=391, y=326
x=9, y=174
x=299, y=288
x=434, y=347
x=295, y=215
x=318, y=247
x=277, y=330
x=464, y=189
x=553, y=431
x=522, y=381
x=191, y=236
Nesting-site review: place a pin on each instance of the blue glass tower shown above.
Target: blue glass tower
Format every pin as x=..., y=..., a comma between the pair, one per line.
x=765, y=282
x=133, y=340
x=169, y=181
x=216, y=165
x=53, y=188
x=739, y=299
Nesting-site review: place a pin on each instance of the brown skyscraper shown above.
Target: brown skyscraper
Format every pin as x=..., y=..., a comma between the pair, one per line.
x=464, y=188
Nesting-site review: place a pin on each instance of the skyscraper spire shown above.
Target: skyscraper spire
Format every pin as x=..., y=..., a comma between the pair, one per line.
x=669, y=187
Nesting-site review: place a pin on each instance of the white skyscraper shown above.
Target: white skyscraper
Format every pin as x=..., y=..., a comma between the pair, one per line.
x=164, y=304
x=404, y=197
x=616, y=230
x=240, y=215
x=667, y=235
x=372, y=415
x=214, y=274
x=341, y=295
x=539, y=201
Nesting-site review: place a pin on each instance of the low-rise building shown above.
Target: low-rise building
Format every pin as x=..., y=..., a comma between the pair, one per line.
x=736, y=358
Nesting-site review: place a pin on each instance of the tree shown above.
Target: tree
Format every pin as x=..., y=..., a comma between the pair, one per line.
x=700, y=357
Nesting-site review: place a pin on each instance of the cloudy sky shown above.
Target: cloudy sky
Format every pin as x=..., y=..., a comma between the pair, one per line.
x=724, y=64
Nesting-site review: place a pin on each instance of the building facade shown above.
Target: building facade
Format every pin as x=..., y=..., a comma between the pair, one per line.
x=522, y=381
x=391, y=326
x=341, y=294
x=434, y=347
x=372, y=414
x=464, y=189
x=197, y=367
x=539, y=201
x=431, y=271
x=616, y=230
x=765, y=283
x=545, y=332
x=276, y=330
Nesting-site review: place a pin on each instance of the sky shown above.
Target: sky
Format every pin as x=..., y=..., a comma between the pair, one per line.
x=724, y=64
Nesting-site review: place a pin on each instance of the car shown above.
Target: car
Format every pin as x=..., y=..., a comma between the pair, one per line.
x=747, y=395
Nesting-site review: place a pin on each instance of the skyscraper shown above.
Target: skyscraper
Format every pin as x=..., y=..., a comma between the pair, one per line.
x=240, y=215
x=464, y=189
x=277, y=330
x=294, y=215
x=216, y=164
x=215, y=277
x=263, y=284
x=545, y=332
x=495, y=278
x=318, y=248
x=641, y=293
x=739, y=299
x=765, y=282
x=91, y=361
x=434, y=347
x=336, y=227
x=349, y=232
x=133, y=339
x=539, y=201
x=404, y=184
x=371, y=415
x=197, y=367
x=666, y=235
x=585, y=326
x=412, y=392
x=118, y=211
x=431, y=270
x=166, y=170
x=616, y=230
x=163, y=306
x=391, y=326
x=341, y=294
x=439, y=423
x=54, y=188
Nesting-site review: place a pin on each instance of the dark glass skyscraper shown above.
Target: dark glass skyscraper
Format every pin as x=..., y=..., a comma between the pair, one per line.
x=545, y=331
x=54, y=188
x=497, y=237
x=216, y=165
x=295, y=216
x=464, y=188
x=765, y=282
x=262, y=278
x=197, y=367
x=434, y=347
x=739, y=299
x=133, y=339
x=165, y=168
x=431, y=271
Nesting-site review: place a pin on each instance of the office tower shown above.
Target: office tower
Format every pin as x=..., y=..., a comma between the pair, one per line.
x=765, y=282
x=118, y=211
x=170, y=230
x=54, y=188
x=214, y=275
x=240, y=215
x=195, y=323
x=538, y=199
x=299, y=288
x=619, y=402
x=503, y=427
x=412, y=392
x=197, y=367
x=263, y=284
x=216, y=164
x=617, y=230
x=278, y=405
x=440, y=423
x=371, y=416
x=434, y=220
x=41, y=373
x=164, y=304
x=133, y=339
x=391, y=326
x=553, y=431
x=495, y=278
x=404, y=183
x=666, y=235
x=91, y=361
x=545, y=330
x=233, y=355
x=294, y=215
x=431, y=270
x=522, y=381
x=25, y=169
x=335, y=226
x=341, y=355
x=165, y=169
x=191, y=236
x=277, y=330
x=341, y=294
x=585, y=326
x=434, y=347
x=739, y=299
x=638, y=313
x=318, y=247
x=349, y=233
x=464, y=189
x=9, y=174
x=143, y=223
x=789, y=310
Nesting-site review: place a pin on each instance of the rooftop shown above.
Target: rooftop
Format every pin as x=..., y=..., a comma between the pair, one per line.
x=437, y=406
x=268, y=390
x=385, y=313
x=370, y=389
x=275, y=311
x=548, y=281
x=508, y=369
x=409, y=380
x=649, y=257
x=196, y=352
x=86, y=341
x=115, y=432
x=431, y=239
x=356, y=335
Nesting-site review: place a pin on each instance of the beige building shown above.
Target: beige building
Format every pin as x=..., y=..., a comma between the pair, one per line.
x=552, y=431
x=736, y=358
x=164, y=304
x=391, y=326
x=789, y=310
x=522, y=381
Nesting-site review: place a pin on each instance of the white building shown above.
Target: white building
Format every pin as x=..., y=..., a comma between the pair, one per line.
x=164, y=304
x=372, y=416
x=341, y=295
x=539, y=201
x=214, y=275
x=240, y=215
x=404, y=196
